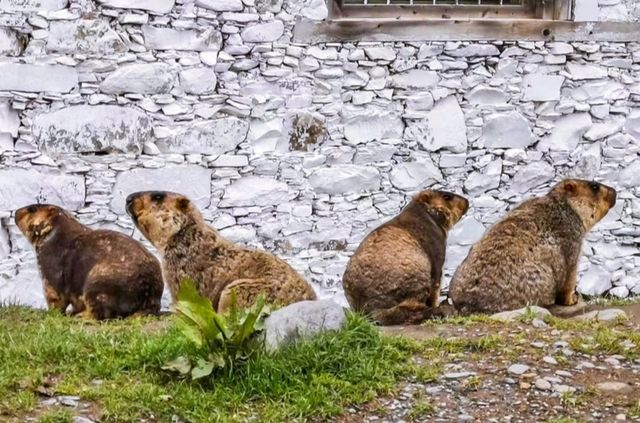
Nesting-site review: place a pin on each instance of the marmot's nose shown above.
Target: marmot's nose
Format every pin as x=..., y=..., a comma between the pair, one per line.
x=613, y=197
x=129, y=204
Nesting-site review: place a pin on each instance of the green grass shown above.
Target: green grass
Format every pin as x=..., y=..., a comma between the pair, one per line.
x=115, y=366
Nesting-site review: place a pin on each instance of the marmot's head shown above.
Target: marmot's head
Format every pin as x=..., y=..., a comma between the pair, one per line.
x=447, y=206
x=161, y=214
x=37, y=221
x=591, y=200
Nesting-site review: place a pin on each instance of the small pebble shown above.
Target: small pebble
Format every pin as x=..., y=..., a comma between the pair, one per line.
x=549, y=360
x=543, y=385
x=517, y=369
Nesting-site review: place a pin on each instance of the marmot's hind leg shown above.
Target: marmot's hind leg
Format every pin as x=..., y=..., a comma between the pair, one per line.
x=567, y=295
x=246, y=293
x=411, y=312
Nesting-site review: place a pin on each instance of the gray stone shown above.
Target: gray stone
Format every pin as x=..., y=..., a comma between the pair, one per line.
x=603, y=315
x=489, y=179
x=255, y=191
x=32, y=5
x=531, y=176
x=512, y=315
x=176, y=39
x=10, y=45
x=372, y=125
x=467, y=231
x=612, y=387
x=506, y=130
x=37, y=78
x=542, y=87
x=415, y=79
x=542, y=384
x=579, y=72
x=139, y=78
x=475, y=50
x=518, y=369
x=198, y=81
x=97, y=38
x=215, y=136
x=629, y=177
x=221, y=5
x=155, y=6
x=87, y=129
x=192, y=181
x=443, y=128
x=486, y=96
x=380, y=53
x=595, y=281
x=21, y=187
x=415, y=175
x=302, y=320
x=263, y=33
x=632, y=125
x=567, y=133
x=596, y=91
x=343, y=179
x=602, y=130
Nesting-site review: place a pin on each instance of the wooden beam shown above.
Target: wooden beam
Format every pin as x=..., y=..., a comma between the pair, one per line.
x=353, y=30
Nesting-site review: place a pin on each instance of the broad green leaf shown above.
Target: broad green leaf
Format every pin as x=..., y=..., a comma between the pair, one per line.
x=196, y=310
x=248, y=325
x=217, y=360
x=202, y=369
x=180, y=365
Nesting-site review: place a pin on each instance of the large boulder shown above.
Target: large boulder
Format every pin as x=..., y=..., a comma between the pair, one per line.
x=139, y=78
x=32, y=5
x=255, y=191
x=507, y=130
x=84, y=36
x=37, y=78
x=343, y=179
x=21, y=187
x=443, y=129
x=215, y=136
x=177, y=39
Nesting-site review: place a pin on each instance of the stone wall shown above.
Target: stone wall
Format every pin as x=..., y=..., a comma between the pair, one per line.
x=304, y=149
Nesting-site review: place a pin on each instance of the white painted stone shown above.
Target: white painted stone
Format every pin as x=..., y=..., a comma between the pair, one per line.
x=263, y=33
x=595, y=281
x=155, y=6
x=139, y=78
x=380, y=53
x=9, y=43
x=443, y=128
x=630, y=176
x=619, y=292
x=214, y=136
x=593, y=91
x=266, y=136
x=198, y=80
x=86, y=129
x=567, y=133
x=586, y=10
x=98, y=38
x=475, y=50
x=415, y=79
x=420, y=101
x=632, y=125
x=344, y=179
x=372, y=124
x=410, y=176
x=467, y=231
x=602, y=130
x=21, y=187
x=9, y=122
x=506, y=130
x=176, y=39
x=37, y=78
x=5, y=242
x=579, y=72
x=192, y=181
x=32, y=5
x=255, y=191
x=315, y=10
x=221, y=5
x=531, y=176
x=542, y=87
x=486, y=96
x=477, y=183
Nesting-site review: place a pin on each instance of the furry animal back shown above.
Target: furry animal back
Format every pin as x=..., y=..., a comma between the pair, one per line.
x=394, y=275
x=192, y=249
x=530, y=257
x=100, y=273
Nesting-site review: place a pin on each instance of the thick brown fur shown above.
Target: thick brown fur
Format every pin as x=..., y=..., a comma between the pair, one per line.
x=191, y=249
x=530, y=257
x=394, y=275
x=102, y=274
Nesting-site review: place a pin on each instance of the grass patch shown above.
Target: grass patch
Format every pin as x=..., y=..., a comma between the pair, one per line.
x=610, y=341
x=116, y=367
x=614, y=301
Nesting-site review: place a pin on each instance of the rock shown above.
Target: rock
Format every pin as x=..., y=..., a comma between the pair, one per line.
x=263, y=33
x=611, y=387
x=221, y=5
x=156, y=6
x=21, y=187
x=415, y=175
x=579, y=72
x=506, y=130
x=467, y=231
x=215, y=136
x=372, y=125
x=512, y=315
x=603, y=315
x=302, y=320
x=255, y=191
x=593, y=91
x=190, y=180
x=198, y=81
x=420, y=101
x=595, y=281
x=10, y=44
x=139, y=78
x=37, y=78
x=176, y=39
x=542, y=87
x=619, y=292
x=458, y=375
x=33, y=5
x=98, y=38
x=80, y=419
x=489, y=179
x=567, y=133
x=629, y=177
x=89, y=129
x=531, y=176
x=415, y=79
x=343, y=179
x=380, y=53
x=315, y=10
x=486, y=96
x=602, y=130
x=542, y=384
x=518, y=369
x=475, y=50
x=9, y=124
x=586, y=11
x=266, y=136
x=443, y=128
x=564, y=389
x=632, y=125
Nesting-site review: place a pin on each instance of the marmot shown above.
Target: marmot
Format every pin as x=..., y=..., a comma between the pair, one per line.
x=102, y=274
x=394, y=275
x=192, y=249
x=530, y=257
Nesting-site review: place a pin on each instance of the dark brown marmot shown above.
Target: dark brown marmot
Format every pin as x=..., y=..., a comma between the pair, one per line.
x=394, y=275
x=102, y=274
x=530, y=257
x=192, y=249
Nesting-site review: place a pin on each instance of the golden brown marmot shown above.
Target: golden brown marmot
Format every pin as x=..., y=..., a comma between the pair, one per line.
x=192, y=249
x=100, y=273
x=394, y=275
x=530, y=257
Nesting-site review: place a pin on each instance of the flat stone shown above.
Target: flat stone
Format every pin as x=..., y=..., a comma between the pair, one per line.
x=372, y=125
x=486, y=96
x=579, y=72
x=89, y=129
x=302, y=320
x=380, y=53
x=415, y=175
x=343, y=179
x=255, y=191
x=488, y=179
x=603, y=315
x=512, y=315
x=475, y=50
x=177, y=39
x=542, y=87
x=9, y=121
x=198, y=81
x=567, y=133
x=614, y=387
x=33, y=5
x=21, y=187
x=467, y=231
x=190, y=180
x=629, y=177
x=98, y=38
x=221, y=5
x=632, y=125
x=542, y=385
x=263, y=33
x=418, y=79
x=518, y=369
x=315, y=10
x=155, y=6
x=458, y=375
x=506, y=130
x=139, y=78
x=266, y=135
x=443, y=129
x=37, y=78
x=586, y=11
x=214, y=136
x=10, y=45
x=595, y=281
x=602, y=130
x=531, y=176
x=595, y=91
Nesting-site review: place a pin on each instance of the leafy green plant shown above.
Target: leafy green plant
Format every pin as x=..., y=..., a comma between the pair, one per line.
x=224, y=340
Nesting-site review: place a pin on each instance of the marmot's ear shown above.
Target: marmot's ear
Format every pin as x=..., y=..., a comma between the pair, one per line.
x=182, y=204
x=570, y=187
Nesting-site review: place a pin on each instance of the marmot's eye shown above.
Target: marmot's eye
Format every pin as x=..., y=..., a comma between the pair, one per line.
x=595, y=187
x=447, y=197
x=157, y=197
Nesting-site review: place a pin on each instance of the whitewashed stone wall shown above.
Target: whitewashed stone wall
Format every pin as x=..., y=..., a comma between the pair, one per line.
x=304, y=149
